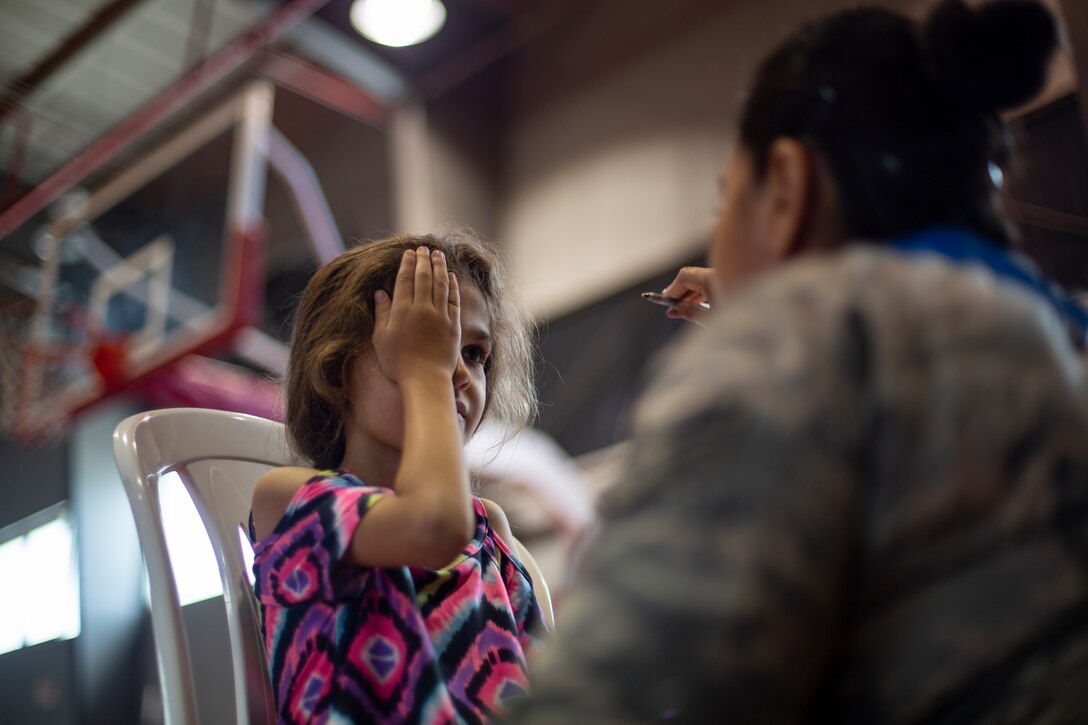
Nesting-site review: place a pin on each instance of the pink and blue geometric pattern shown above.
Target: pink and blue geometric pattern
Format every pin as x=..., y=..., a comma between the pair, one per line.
x=400, y=645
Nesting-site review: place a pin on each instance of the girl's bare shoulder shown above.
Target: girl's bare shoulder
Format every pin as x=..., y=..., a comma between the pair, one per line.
x=497, y=518
x=273, y=493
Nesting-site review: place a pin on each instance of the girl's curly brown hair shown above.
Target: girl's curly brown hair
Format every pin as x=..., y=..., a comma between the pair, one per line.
x=335, y=320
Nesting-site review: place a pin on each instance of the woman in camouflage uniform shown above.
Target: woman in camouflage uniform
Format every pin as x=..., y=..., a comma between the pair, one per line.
x=861, y=494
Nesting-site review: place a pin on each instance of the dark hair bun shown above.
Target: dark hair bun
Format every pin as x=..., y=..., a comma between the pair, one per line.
x=993, y=57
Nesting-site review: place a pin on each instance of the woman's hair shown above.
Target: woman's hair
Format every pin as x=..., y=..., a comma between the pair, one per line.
x=905, y=114
x=335, y=321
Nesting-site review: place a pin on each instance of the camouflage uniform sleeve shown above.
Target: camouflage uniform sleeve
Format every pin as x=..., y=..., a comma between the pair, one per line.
x=713, y=590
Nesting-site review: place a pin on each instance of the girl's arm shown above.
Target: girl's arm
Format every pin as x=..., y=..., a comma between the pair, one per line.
x=430, y=519
x=274, y=491
x=417, y=344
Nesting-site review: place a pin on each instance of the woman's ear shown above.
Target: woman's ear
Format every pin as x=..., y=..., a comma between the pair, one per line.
x=789, y=198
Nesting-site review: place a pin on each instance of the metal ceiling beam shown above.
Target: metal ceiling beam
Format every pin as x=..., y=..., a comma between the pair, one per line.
x=172, y=99
x=326, y=88
x=323, y=44
x=26, y=84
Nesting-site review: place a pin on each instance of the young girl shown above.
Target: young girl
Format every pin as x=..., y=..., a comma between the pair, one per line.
x=389, y=593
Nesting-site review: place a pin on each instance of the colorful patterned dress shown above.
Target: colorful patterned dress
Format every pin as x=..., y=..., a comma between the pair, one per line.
x=398, y=645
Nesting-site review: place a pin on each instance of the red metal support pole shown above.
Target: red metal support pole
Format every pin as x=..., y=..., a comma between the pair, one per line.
x=184, y=91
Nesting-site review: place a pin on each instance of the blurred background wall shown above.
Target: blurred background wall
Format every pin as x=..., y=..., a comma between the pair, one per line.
x=584, y=137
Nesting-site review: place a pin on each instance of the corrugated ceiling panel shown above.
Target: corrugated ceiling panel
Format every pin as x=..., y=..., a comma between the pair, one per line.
x=132, y=62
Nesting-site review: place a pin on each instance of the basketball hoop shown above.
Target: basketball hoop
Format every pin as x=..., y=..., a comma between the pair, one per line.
x=37, y=382
x=60, y=353
x=120, y=323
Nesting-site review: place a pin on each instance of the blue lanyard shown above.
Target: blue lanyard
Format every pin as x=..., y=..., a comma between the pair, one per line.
x=962, y=246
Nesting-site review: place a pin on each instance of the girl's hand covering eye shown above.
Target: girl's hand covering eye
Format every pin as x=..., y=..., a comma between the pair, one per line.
x=418, y=331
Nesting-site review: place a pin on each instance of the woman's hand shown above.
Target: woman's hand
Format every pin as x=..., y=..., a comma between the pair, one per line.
x=692, y=287
x=418, y=332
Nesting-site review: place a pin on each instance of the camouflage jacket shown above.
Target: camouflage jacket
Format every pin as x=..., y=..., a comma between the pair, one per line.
x=860, y=496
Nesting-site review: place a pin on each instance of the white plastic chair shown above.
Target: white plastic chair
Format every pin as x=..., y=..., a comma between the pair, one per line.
x=218, y=456
x=540, y=587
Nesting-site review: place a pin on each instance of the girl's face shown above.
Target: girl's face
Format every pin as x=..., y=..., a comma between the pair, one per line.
x=376, y=414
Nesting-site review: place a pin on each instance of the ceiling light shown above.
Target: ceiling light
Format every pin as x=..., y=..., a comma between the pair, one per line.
x=397, y=22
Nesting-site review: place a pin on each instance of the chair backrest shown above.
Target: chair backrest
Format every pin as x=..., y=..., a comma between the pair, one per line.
x=540, y=587
x=218, y=456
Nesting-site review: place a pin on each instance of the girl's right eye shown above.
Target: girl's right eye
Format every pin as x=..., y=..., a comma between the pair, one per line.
x=474, y=355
